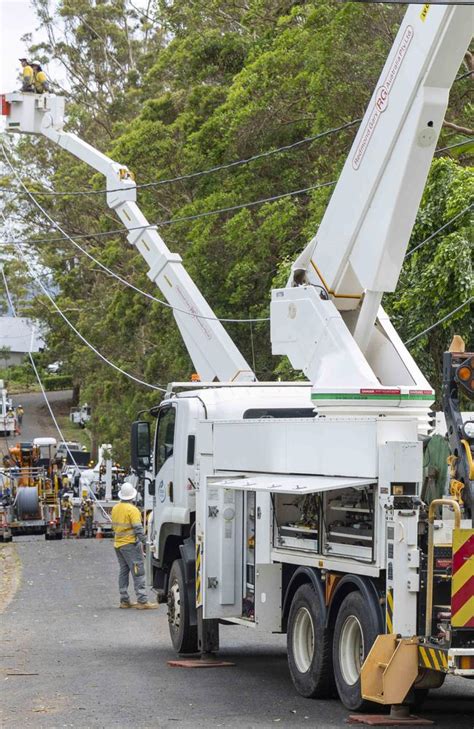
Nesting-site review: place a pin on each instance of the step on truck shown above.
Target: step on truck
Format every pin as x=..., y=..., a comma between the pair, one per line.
x=297, y=507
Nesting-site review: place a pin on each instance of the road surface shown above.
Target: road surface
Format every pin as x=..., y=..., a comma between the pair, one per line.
x=37, y=421
x=71, y=658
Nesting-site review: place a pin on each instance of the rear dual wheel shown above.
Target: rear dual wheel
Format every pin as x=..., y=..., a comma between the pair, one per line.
x=320, y=661
x=355, y=631
x=309, y=645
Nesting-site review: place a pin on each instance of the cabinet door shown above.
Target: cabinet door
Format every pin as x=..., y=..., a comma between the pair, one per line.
x=222, y=554
x=268, y=597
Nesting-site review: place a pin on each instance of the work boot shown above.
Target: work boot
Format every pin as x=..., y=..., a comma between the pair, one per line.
x=147, y=606
x=126, y=605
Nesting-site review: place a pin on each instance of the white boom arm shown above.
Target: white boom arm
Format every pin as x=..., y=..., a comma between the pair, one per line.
x=359, y=249
x=213, y=353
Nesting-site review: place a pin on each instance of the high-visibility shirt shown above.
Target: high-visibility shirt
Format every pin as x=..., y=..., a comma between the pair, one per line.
x=125, y=517
x=41, y=82
x=27, y=77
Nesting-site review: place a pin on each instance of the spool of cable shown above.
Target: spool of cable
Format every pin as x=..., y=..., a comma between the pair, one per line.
x=27, y=502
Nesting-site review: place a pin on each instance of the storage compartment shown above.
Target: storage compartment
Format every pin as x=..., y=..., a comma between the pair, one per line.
x=339, y=522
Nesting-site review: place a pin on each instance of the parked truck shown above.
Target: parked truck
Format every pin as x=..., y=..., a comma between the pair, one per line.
x=29, y=499
x=295, y=507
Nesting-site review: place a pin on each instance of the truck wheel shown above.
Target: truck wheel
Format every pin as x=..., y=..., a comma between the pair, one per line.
x=183, y=635
x=309, y=645
x=356, y=629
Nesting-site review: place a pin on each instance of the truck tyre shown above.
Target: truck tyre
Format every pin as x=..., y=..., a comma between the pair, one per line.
x=309, y=645
x=183, y=635
x=355, y=631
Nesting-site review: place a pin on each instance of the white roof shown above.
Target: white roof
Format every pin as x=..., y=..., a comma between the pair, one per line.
x=15, y=333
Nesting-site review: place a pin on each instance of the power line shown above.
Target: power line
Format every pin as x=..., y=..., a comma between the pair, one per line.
x=81, y=337
x=452, y=146
x=439, y=230
x=208, y=171
x=43, y=391
x=448, y=316
x=109, y=270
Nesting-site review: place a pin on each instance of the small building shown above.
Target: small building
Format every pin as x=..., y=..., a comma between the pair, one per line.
x=18, y=336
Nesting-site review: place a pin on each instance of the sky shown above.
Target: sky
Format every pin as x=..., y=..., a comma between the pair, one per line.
x=17, y=17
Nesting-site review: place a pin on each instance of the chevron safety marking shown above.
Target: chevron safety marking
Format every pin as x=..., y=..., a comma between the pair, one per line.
x=434, y=658
x=389, y=611
x=462, y=585
x=198, y=574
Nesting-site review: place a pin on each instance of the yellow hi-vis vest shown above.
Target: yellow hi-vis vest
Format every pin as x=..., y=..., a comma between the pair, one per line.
x=124, y=517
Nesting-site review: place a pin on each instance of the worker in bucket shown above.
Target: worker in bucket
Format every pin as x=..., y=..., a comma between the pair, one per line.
x=129, y=538
x=87, y=513
x=27, y=77
x=40, y=80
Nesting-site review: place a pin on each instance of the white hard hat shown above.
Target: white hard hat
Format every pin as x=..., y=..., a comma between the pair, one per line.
x=127, y=492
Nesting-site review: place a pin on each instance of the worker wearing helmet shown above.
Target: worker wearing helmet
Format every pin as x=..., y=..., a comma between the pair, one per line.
x=19, y=414
x=27, y=76
x=66, y=515
x=40, y=81
x=87, y=513
x=129, y=538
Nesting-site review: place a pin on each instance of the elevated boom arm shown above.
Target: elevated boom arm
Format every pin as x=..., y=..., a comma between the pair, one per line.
x=212, y=351
x=329, y=321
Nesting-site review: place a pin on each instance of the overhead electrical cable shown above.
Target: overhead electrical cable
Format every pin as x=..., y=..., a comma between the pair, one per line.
x=439, y=230
x=440, y=321
x=45, y=397
x=209, y=170
x=81, y=337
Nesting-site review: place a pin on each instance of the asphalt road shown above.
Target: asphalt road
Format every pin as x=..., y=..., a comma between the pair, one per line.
x=37, y=421
x=70, y=658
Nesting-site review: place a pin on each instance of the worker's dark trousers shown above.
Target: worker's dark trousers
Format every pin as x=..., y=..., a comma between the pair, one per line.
x=130, y=558
x=88, y=527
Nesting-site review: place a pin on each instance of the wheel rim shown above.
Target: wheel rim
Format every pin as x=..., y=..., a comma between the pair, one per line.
x=303, y=640
x=351, y=650
x=174, y=605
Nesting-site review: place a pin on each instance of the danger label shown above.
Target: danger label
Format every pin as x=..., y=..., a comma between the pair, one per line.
x=382, y=97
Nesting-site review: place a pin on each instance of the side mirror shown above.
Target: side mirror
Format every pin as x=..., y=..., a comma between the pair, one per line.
x=140, y=446
x=151, y=486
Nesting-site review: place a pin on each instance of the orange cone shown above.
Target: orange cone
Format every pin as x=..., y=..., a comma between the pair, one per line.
x=98, y=534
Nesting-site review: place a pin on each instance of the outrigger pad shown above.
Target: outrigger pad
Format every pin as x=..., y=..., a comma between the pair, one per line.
x=387, y=720
x=198, y=663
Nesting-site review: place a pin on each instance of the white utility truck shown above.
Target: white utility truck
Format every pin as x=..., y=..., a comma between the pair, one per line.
x=8, y=420
x=296, y=507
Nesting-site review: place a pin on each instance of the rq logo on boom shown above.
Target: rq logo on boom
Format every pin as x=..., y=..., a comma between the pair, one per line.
x=161, y=491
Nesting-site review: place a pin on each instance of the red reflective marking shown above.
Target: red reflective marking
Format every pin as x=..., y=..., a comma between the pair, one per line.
x=463, y=553
x=462, y=596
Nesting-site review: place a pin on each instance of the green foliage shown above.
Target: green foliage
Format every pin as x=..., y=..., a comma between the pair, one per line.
x=197, y=85
x=57, y=382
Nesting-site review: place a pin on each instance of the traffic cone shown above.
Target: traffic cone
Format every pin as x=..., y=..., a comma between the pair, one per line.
x=98, y=534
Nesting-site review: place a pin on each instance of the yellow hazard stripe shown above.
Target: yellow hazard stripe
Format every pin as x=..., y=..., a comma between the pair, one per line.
x=424, y=657
x=462, y=575
x=198, y=574
x=389, y=611
x=433, y=658
x=464, y=615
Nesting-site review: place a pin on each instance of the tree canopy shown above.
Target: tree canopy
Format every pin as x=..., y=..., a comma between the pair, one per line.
x=178, y=87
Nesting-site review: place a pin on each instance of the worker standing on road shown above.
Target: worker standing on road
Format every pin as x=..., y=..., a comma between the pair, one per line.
x=40, y=81
x=19, y=414
x=87, y=513
x=27, y=77
x=129, y=538
x=66, y=515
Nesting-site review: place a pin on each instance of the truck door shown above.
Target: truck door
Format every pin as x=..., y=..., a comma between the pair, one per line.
x=164, y=460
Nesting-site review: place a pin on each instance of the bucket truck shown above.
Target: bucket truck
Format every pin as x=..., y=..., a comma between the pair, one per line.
x=295, y=507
